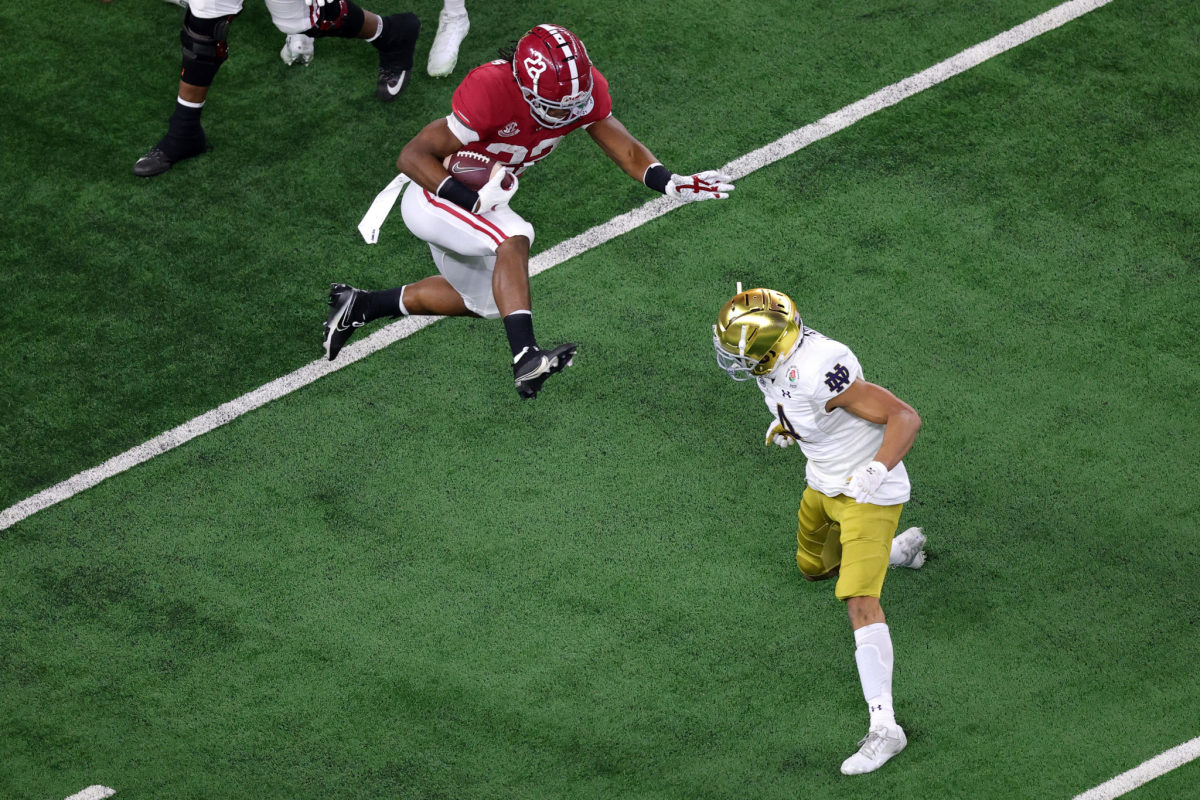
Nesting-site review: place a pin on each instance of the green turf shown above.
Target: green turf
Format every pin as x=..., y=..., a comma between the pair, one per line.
x=403, y=582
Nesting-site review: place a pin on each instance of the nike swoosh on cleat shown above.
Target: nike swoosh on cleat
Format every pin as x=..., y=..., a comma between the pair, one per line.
x=394, y=88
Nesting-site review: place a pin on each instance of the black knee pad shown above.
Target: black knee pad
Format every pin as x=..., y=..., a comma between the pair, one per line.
x=343, y=19
x=204, y=48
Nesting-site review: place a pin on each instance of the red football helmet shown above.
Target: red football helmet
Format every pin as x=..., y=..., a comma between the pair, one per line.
x=554, y=72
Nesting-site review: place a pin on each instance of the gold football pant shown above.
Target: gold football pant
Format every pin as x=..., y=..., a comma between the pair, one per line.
x=838, y=532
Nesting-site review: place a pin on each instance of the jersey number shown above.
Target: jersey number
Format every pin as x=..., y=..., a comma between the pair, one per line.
x=515, y=154
x=786, y=423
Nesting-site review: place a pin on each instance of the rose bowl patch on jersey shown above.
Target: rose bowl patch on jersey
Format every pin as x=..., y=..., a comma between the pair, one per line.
x=473, y=170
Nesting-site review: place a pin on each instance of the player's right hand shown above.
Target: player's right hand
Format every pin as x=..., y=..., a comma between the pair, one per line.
x=776, y=434
x=318, y=3
x=493, y=195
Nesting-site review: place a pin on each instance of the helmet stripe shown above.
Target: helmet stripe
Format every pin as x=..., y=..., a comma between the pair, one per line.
x=568, y=52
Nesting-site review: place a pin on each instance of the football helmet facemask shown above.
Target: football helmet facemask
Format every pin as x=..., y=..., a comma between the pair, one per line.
x=554, y=72
x=755, y=332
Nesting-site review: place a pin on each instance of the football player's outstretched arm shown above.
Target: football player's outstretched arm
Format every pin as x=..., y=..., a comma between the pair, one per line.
x=622, y=147
x=641, y=165
x=421, y=159
x=876, y=404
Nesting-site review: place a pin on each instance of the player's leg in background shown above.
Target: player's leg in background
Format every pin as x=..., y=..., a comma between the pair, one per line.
x=204, y=49
x=393, y=36
x=453, y=26
x=293, y=18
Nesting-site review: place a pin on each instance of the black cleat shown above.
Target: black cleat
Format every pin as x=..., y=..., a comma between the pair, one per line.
x=396, y=55
x=158, y=160
x=391, y=83
x=345, y=315
x=533, y=366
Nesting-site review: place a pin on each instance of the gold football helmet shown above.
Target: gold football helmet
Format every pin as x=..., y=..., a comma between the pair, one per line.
x=755, y=331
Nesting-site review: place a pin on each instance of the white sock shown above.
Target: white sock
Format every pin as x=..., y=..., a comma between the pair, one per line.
x=378, y=29
x=874, y=656
x=403, y=310
x=454, y=6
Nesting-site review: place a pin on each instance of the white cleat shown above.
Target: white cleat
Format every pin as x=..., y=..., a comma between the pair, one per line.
x=879, y=745
x=908, y=549
x=443, y=54
x=297, y=49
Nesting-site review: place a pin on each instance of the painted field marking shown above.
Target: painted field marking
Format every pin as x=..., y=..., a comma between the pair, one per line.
x=93, y=793
x=589, y=239
x=1159, y=765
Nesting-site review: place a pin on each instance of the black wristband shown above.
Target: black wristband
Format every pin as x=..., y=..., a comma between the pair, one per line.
x=657, y=177
x=456, y=192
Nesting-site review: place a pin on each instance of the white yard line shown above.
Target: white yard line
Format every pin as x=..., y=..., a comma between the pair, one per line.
x=739, y=168
x=93, y=793
x=1159, y=765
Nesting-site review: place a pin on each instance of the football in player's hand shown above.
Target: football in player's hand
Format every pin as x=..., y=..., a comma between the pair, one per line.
x=473, y=170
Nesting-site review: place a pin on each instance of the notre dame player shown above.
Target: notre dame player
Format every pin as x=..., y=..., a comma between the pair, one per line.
x=205, y=25
x=853, y=435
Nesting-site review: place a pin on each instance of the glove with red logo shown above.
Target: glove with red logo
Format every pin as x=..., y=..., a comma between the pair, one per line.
x=707, y=185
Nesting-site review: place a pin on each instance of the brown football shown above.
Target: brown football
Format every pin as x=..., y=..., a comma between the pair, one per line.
x=473, y=170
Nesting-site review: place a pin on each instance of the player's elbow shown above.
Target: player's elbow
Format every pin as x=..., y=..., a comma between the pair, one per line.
x=416, y=157
x=912, y=419
x=404, y=162
x=904, y=417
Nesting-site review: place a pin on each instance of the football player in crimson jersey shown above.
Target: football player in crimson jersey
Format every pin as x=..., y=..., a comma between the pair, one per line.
x=205, y=25
x=515, y=110
x=853, y=435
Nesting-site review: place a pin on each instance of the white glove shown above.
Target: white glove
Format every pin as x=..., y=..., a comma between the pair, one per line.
x=777, y=435
x=865, y=481
x=318, y=3
x=705, y=185
x=493, y=195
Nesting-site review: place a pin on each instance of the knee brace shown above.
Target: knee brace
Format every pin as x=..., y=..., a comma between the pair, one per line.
x=204, y=48
x=343, y=19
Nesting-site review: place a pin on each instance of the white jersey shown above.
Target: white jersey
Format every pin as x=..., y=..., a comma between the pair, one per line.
x=835, y=443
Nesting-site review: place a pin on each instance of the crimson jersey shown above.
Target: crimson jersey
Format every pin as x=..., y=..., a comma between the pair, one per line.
x=490, y=116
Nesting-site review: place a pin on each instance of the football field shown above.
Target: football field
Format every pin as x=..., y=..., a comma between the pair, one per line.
x=391, y=578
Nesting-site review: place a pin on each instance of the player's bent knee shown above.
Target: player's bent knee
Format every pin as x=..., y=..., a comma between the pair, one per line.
x=343, y=19
x=813, y=569
x=519, y=239
x=204, y=48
